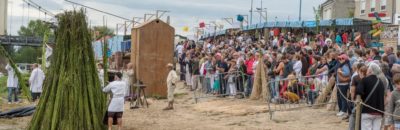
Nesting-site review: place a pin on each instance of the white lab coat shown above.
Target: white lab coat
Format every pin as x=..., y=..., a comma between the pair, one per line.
x=36, y=80
x=12, y=80
x=118, y=89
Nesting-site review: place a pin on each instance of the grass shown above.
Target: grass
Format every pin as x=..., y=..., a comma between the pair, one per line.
x=3, y=86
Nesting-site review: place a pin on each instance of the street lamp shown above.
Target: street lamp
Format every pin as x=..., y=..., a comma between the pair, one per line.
x=261, y=11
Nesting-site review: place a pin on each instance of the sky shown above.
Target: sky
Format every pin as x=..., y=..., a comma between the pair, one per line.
x=182, y=12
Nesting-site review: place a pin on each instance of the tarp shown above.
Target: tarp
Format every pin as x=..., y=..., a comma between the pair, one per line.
x=295, y=24
x=344, y=21
x=126, y=45
x=269, y=24
x=114, y=45
x=325, y=22
x=310, y=24
x=281, y=24
x=260, y=25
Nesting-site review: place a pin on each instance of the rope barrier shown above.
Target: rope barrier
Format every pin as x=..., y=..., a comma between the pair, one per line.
x=364, y=104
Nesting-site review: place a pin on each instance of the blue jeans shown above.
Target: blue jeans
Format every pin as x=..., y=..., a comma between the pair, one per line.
x=11, y=92
x=311, y=96
x=276, y=86
x=342, y=102
x=272, y=88
x=249, y=85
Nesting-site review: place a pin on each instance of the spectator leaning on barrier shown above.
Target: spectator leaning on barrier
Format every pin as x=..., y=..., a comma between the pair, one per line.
x=372, y=91
x=343, y=76
x=394, y=104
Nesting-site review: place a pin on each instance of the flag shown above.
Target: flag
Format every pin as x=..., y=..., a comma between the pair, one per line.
x=202, y=25
x=240, y=18
x=186, y=29
x=48, y=53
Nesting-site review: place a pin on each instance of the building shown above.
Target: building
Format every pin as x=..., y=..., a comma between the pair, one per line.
x=3, y=16
x=333, y=9
x=389, y=7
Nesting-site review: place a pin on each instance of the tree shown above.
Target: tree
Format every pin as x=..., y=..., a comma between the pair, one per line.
x=27, y=55
x=36, y=28
x=101, y=31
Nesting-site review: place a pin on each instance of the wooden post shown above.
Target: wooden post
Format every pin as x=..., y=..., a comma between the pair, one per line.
x=358, y=113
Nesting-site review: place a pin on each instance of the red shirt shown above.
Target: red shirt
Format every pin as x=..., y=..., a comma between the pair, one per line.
x=249, y=66
x=345, y=38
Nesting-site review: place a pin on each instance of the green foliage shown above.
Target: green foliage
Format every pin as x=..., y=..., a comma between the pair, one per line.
x=36, y=28
x=22, y=82
x=101, y=31
x=3, y=86
x=27, y=55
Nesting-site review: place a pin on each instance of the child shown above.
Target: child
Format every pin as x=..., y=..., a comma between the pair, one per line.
x=394, y=104
x=230, y=76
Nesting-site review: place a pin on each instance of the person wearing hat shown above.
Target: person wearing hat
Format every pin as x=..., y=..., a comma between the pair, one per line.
x=172, y=78
x=343, y=76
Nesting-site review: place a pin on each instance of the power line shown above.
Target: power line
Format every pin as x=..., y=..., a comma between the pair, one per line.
x=99, y=10
x=38, y=7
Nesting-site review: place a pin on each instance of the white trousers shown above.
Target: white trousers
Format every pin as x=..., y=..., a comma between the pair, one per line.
x=371, y=122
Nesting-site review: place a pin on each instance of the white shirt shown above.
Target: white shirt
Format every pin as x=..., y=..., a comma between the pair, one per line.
x=118, y=89
x=179, y=49
x=12, y=80
x=297, y=67
x=101, y=76
x=172, y=78
x=36, y=80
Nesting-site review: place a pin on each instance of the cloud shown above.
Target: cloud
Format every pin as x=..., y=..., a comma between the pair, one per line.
x=182, y=12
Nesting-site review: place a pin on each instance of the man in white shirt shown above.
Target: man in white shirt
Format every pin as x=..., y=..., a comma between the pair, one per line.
x=172, y=78
x=36, y=81
x=12, y=84
x=116, y=106
x=179, y=49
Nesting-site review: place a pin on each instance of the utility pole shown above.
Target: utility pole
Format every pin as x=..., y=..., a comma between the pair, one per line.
x=251, y=13
x=261, y=12
x=301, y=2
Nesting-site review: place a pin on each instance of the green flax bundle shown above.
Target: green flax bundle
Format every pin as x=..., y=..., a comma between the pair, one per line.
x=72, y=98
x=21, y=81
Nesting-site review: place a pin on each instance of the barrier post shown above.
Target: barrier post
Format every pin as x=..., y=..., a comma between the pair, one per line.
x=358, y=113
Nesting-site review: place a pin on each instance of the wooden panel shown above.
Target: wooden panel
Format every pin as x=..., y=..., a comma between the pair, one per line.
x=154, y=49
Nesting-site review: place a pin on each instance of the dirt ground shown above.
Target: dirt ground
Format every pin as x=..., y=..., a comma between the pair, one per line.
x=211, y=114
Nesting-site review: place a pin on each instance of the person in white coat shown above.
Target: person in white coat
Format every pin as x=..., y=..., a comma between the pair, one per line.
x=116, y=106
x=36, y=82
x=172, y=78
x=12, y=84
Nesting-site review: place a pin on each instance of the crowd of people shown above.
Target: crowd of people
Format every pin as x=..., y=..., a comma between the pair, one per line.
x=225, y=66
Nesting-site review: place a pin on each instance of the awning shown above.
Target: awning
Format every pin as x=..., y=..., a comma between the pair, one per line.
x=294, y=24
x=344, y=21
x=325, y=22
x=310, y=24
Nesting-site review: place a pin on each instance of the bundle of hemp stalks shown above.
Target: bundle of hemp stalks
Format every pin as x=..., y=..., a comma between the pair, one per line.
x=72, y=98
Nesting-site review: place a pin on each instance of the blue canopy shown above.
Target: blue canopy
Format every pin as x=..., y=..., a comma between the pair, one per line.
x=253, y=26
x=310, y=24
x=344, y=21
x=281, y=24
x=294, y=24
x=325, y=22
x=260, y=25
x=269, y=24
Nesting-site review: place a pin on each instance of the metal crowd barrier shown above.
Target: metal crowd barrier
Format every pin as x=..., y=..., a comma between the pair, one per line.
x=231, y=84
x=295, y=92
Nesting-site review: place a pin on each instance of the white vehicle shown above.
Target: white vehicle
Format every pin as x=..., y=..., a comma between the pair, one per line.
x=25, y=67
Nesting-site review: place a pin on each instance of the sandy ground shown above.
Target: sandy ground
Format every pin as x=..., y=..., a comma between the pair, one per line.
x=212, y=114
